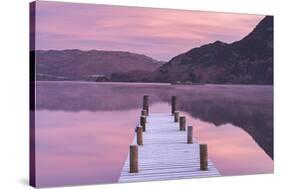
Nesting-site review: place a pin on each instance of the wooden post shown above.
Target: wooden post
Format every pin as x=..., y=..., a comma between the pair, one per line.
x=189, y=135
x=139, y=136
x=174, y=104
x=145, y=104
x=143, y=123
x=134, y=159
x=182, y=123
x=203, y=157
x=177, y=116
x=144, y=112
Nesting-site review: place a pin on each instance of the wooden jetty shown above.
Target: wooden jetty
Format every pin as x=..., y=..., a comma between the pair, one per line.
x=163, y=149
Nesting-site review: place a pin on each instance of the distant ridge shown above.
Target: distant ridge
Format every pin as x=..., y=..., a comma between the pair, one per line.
x=91, y=65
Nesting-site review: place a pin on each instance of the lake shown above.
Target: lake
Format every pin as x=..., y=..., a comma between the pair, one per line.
x=83, y=129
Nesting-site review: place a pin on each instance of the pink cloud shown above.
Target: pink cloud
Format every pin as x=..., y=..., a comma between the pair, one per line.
x=89, y=26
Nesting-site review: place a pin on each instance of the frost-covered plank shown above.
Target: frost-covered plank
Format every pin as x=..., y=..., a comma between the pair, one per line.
x=166, y=154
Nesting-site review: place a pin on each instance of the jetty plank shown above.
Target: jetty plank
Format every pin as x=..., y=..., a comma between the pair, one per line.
x=165, y=154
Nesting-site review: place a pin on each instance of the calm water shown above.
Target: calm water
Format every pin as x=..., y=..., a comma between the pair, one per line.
x=83, y=130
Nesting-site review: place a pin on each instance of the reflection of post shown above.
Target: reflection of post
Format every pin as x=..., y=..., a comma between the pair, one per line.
x=134, y=159
x=144, y=113
x=182, y=123
x=189, y=135
x=203, y=157
x=177, y=116
x=174, y=104
x=145, y=104
x=139, y=136
x=143, y=122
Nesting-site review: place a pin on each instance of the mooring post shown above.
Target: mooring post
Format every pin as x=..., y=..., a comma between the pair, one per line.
x=145, y=104
x=139, y=136
x=189, y=135
x=174, y=104
x=182, y=123
x=144, y=112
x=177, y=116
x=134, y=159
x=143, y=123
x=203, y=157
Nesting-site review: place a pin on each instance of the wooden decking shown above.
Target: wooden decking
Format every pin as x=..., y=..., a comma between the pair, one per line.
x=165, y=153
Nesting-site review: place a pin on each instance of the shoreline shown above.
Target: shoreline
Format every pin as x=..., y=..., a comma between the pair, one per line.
x=158, y=83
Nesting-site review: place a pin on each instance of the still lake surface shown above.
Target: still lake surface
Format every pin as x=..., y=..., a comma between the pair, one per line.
x=83, y=129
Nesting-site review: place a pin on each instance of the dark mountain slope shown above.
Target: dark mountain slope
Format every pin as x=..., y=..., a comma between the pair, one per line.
x=248, y=61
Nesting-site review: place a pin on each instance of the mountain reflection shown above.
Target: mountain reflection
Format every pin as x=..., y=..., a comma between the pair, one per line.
x=248, y=107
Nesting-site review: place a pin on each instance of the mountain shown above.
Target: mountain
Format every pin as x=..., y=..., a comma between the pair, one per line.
x=90, y=65
x=248, y=61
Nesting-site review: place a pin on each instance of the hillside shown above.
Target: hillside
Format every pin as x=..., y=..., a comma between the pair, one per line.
x=248, y=61
x=89, y=65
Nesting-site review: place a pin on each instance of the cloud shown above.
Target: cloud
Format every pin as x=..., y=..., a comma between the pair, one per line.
x=159, y=33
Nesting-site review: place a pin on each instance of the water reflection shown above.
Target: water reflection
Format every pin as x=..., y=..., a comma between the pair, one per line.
x=249, y=108
x=81, y=148
x=233, y=151
x=80, y=125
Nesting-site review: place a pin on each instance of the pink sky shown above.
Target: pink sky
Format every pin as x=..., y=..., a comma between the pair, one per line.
x=158, y=33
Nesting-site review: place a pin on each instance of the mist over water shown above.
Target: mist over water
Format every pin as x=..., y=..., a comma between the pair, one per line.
x=83, y=129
